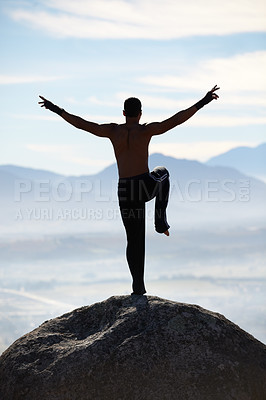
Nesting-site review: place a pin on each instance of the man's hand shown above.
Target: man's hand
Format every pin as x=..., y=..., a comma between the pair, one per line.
x=50, y=106
x=211, y=95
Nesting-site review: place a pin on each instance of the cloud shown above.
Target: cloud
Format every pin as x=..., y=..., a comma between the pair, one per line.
x=33, y=117
x=16, y=79
x=209, y=120
x=201, y=151
x=202, y=119
x=240, y=73
x=93, y=100
x=143, y=19
x=68, y=152
x=242, y=81
x=226, y=120
x=242, y=94
x=117, y=101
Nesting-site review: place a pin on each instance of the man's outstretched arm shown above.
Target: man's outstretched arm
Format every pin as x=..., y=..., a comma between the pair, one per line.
x=102, y=130
x=157, y=128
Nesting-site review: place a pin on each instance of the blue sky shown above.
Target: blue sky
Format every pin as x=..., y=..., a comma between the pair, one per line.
x=88, y=56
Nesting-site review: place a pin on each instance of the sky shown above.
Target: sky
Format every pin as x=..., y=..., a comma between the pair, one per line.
x=89, y=56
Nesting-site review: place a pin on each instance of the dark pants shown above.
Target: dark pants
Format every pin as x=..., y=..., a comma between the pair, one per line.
x=133, y=193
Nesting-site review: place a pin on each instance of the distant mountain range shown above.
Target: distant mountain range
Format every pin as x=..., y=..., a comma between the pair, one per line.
x=199, y=192
x=249, y=160
x=181, y=171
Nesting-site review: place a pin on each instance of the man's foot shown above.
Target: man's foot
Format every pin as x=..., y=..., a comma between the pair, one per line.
x=167, y=233
x=137, y=294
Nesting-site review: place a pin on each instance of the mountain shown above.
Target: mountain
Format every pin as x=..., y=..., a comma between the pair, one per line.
x=184, y=170
x=180, y=169
x=200, y=193
x=11, y=175
x=249, y=160
x=185, y=175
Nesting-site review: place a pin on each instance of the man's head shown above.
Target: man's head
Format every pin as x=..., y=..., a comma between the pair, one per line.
x=132, y=107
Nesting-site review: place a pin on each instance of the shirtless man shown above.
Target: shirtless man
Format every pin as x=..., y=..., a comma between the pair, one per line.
x=137, y=184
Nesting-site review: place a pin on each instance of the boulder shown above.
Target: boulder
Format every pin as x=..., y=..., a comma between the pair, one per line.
x=135, y=347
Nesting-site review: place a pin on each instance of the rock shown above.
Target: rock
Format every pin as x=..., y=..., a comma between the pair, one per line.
x=135, y=347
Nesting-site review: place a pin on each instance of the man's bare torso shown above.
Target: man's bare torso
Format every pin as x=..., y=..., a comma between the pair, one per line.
x=130, y=142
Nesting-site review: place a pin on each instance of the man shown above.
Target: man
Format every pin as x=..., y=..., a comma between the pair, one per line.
x=137, y=184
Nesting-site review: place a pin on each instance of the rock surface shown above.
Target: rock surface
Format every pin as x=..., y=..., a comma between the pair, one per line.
x=135, y=347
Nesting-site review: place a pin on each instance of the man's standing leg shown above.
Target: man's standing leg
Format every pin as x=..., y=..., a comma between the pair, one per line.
x=133, y=216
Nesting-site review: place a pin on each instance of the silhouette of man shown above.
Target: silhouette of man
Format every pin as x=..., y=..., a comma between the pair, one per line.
x=136, y=184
